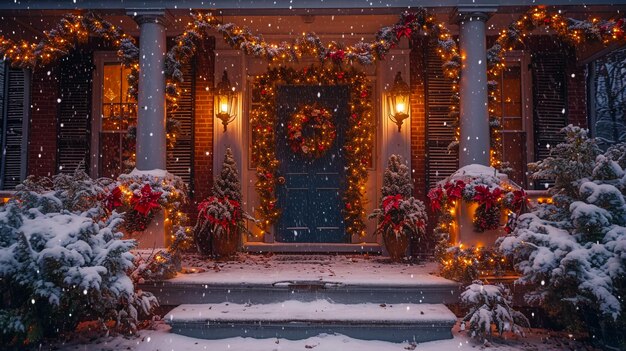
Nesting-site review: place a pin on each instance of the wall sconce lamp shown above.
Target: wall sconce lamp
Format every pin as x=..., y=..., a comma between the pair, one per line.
x=225, y=101
x=398, y=101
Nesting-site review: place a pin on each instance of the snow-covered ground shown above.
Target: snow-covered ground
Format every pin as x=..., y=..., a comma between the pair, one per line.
x=161, y=339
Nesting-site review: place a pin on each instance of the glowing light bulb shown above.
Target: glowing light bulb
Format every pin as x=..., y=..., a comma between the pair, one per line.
x=224, y=107
x=400, y=107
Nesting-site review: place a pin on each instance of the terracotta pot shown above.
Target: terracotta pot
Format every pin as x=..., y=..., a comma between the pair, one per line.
x=225, y=245
x=396, y=245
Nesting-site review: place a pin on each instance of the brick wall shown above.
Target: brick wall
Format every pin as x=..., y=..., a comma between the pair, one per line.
x=418, y=115
x=42, y=141
x=203, y=123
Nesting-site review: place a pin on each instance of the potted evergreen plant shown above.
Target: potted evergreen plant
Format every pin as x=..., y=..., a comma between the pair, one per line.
x=400, y=215
x=221, y=216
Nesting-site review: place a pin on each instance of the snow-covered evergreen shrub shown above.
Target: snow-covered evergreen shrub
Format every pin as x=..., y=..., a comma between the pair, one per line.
x=62, y=260
x=490, y=306
x=221, y=214
x=227, y=184
x=399, y=212
x=397, y=178
x=572, y=252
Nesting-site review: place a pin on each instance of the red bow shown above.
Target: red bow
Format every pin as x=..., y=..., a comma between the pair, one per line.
x=403, y=31
x=485, y=197
x=519, y=198
x=113, y=199
x=146, y=200
x=336, y=55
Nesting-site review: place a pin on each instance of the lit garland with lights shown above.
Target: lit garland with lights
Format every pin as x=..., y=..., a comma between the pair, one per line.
x=140, y=197
x=572, y=31
x=493, y=196
x=320, y=121
x=357, y=148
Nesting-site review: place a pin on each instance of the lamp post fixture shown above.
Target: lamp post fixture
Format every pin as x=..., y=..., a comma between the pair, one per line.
x=398, y=101
x=225, y=101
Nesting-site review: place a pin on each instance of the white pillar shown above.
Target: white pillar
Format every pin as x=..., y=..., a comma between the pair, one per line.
x=151, y=127
x=474, y=114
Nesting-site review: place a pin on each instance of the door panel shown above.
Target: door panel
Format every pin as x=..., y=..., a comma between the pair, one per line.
x=310, y=197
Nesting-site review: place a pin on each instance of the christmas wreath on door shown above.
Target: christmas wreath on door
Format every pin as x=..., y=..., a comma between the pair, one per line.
x=311, y=131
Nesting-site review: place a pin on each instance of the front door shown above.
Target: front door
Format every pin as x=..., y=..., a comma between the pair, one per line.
x=310, y=196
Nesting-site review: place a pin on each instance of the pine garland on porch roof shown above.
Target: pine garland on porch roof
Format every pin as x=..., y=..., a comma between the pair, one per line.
x=570, y=30
x=358, y=145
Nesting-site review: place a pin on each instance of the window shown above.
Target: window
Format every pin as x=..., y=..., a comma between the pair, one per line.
x=513, y=107
x=14, y=112
x=608, y=98
x=113, y=152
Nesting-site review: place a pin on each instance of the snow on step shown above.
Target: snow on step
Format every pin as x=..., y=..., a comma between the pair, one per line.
x=298, y=320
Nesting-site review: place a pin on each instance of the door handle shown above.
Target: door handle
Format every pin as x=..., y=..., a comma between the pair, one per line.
x=281, y=180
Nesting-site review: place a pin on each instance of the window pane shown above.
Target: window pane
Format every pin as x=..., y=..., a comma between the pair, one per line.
x=610, y=98
x=119, y=112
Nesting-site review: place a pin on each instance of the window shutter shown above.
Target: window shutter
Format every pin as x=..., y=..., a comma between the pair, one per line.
x=549, y=100
x=74, y=113
x=180, y=157
x=14, y=136
x=440, y=128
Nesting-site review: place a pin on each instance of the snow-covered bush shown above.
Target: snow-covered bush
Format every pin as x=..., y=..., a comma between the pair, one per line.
x=63, y=260
x=490, y=306
x=572, y=252
x=399, y=213
x=221, y=215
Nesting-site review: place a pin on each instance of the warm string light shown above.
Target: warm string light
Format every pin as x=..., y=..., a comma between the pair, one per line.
x=570, y=30
x=358, y=144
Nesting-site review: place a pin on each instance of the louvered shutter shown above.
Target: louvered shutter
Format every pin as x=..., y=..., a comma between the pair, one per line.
x=549, y=101
x=439, y=125
x=13, y=128
x=180, y=157
x=74, y=113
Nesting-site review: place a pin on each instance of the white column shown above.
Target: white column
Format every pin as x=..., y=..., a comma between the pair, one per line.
x=474, y=114
x=151, y=127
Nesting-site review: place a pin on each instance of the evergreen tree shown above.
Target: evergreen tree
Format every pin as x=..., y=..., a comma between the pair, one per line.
x=227, y=184
x=397, y=178
x=63, y=260
x=572, y=252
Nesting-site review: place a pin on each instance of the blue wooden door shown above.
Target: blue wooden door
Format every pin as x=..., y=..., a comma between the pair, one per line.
x=310, y=197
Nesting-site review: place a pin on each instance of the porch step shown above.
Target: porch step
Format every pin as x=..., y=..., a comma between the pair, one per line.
x=297, y=320
x=307, y=278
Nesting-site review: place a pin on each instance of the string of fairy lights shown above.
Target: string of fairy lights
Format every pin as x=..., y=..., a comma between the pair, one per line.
x=74, y=30
x=357, y=148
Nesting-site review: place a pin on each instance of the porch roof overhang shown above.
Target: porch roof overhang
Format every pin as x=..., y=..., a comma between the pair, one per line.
x=268, y=7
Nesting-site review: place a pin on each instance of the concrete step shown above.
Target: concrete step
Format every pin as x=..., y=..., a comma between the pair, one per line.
x=297, y=320
x=420, y=291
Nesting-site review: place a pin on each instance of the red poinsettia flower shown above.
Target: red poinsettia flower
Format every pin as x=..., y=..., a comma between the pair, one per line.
x=486, y=197
x=392, y=201
x=113, y=199
x=454, y=190
x=340, y=75
x=436, y=196
x=146, y=200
